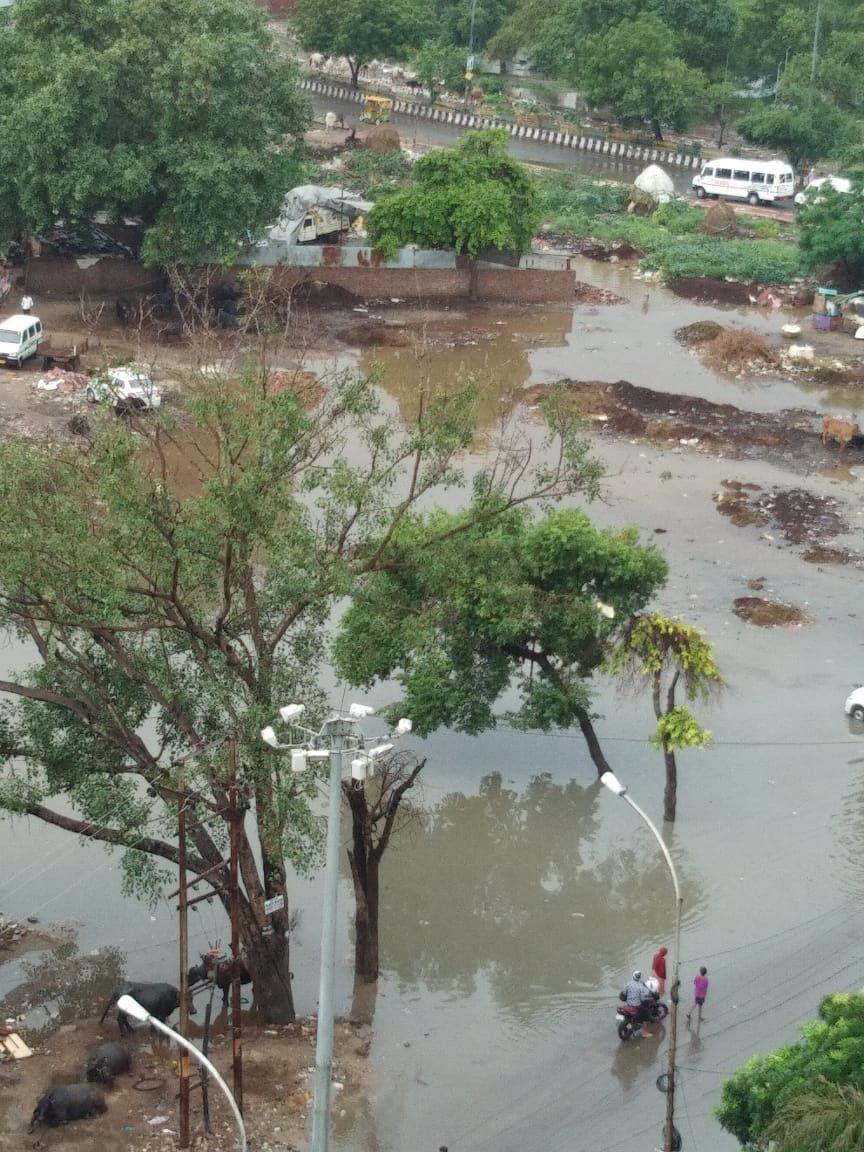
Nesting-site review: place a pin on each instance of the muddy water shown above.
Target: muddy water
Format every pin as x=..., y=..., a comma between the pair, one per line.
x=517, y=904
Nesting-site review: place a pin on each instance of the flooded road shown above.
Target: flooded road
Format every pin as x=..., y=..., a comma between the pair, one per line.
x=518, y=903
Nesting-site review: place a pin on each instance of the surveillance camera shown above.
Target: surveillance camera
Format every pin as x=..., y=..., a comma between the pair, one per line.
x=269, y=737
x=360, y=711
x=378, y=750
x=291, y=712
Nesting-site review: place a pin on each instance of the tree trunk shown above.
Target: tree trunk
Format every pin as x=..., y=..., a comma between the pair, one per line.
x=363, y=1002
x=594, y=749
x=267, y=958
x=670, y=795
x=366, y=924
x=472, y=279
x=658, y=134
x=354, y=66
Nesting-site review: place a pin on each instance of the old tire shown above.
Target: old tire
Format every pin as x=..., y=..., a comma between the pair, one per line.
x=90, y=396
x=753, y=199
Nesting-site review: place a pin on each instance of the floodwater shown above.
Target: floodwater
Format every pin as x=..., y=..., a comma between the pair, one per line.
x=517, y=904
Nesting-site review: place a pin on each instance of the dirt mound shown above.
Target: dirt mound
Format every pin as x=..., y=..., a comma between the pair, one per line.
x=318, y=293
x=591, y=294
x=769, y=613
x=720, y=220
x=382, y=138
x=705, y=289
x=737, y=351
x=703, y=331
x=821, y=554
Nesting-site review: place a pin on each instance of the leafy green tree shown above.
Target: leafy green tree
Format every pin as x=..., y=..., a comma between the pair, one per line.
x=363, y=30
x=174, y=111
x=469, y=197
x=454, y=17
x=802, y=133
x=828, y=1119
x=831, y=234
x=831, y=1052
x=633, y=66
x=509, y=604
x=439, y=66
x=665, y=654
x=172, y=590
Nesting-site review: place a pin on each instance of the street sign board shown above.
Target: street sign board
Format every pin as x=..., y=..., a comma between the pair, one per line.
x=275, y=904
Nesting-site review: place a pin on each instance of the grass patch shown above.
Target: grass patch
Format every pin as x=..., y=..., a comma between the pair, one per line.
x=670, y=238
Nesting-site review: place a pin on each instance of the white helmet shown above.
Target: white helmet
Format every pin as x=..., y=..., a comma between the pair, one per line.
x=637, y=975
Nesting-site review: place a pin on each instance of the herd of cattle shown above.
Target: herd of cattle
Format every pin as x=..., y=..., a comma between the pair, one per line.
x=62, y=1103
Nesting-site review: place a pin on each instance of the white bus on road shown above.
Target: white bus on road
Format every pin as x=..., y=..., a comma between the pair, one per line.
x=756, y=181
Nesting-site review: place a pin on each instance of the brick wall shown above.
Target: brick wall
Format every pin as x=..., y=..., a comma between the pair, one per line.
x=63, y=276
x=511, y=284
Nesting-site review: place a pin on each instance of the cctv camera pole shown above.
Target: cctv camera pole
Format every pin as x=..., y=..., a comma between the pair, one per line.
x=183, y=1025
x=234, y=904
x=337, y=730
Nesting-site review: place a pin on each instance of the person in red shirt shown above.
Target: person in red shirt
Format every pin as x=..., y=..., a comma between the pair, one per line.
x=658, y=968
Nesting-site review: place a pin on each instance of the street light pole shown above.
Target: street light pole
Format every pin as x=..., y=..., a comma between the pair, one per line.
x=132, y=1008
x=337, y=730
x=339, y=734
x=611, y=781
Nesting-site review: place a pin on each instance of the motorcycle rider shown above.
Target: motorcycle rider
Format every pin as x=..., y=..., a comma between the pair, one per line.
x=640, y=996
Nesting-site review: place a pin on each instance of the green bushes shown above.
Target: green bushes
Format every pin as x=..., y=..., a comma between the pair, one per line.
x=670, y=239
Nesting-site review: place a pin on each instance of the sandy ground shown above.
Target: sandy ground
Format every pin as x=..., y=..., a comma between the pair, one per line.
x=142, y=1106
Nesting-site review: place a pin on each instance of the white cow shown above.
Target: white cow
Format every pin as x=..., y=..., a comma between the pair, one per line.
x=316, y=60
x=330, y=121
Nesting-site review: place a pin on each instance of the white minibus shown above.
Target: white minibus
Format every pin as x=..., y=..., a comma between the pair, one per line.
x=756, y=181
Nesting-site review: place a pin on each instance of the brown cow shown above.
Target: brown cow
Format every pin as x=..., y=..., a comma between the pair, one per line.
x=843, y=431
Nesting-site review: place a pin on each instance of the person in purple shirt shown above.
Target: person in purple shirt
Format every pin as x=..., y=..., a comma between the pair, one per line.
x=700, y=991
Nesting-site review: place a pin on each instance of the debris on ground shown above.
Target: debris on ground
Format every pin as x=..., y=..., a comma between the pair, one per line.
x=769, y=613
x=799, y=516
x=732, y=350
x=791, y=437
x=59, y=380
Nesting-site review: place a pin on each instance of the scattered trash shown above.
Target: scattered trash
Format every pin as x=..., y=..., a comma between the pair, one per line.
x=158, y=1120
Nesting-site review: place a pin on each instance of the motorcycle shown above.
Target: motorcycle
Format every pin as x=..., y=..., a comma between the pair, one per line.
x=629, y=1019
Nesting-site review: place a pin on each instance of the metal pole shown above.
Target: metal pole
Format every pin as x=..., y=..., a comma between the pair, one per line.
x=185, y=1046
x=236, y=1018
x=183, y=1025
x=338, y=729
x=669, y=1126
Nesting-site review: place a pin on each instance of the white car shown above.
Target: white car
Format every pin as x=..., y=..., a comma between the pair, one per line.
x=128, y=387
x=838, y=183
x=854, y=706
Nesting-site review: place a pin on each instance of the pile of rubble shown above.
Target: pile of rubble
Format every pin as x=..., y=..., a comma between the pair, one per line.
x=59, y=380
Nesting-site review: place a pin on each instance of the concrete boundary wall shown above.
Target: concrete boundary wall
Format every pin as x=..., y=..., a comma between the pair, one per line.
x=601, y=144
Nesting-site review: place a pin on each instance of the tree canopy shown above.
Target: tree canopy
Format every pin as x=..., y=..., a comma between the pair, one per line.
x=468, y=197
x=180, y=112
x=831, y=233
x=763, y=1100
x=509, y=604
x=363, y=30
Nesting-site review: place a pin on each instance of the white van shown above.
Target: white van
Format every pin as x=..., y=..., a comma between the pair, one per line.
x=756, y=181
x=20, y=337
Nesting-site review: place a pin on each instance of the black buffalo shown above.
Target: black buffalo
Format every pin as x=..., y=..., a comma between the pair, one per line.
x=106, y=1061
x=67, y=1102
x=160, y=1000
x=220, y=972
